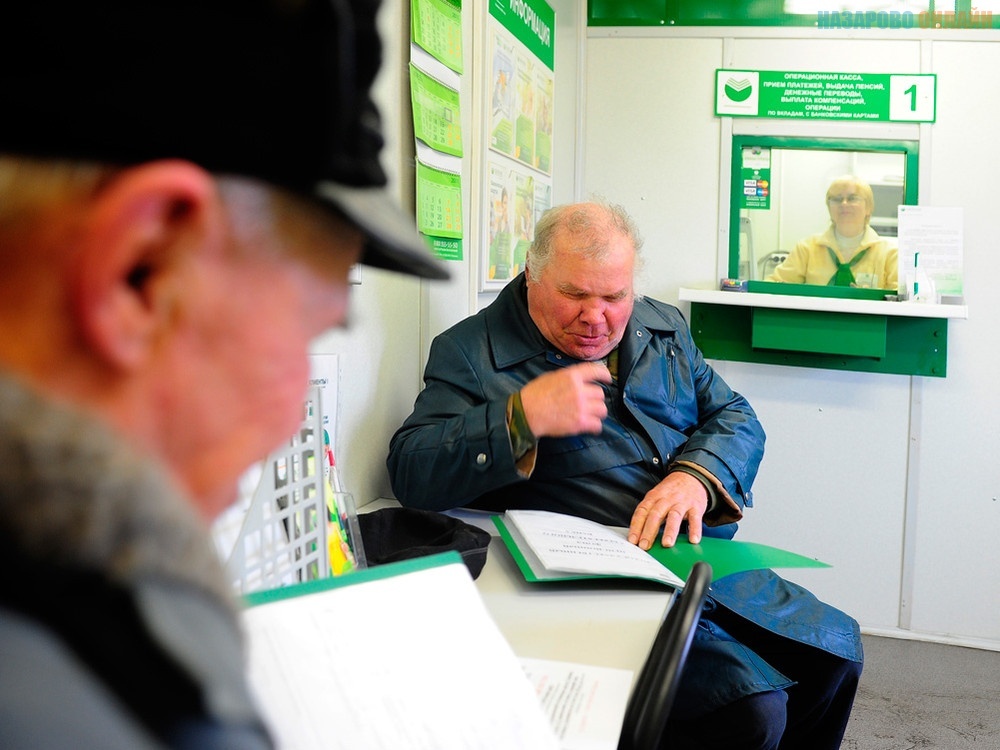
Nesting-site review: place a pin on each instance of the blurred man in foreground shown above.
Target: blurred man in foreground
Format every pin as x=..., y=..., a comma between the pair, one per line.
x=183, y=189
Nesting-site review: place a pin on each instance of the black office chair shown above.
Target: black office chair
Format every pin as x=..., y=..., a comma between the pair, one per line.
x=653, y=695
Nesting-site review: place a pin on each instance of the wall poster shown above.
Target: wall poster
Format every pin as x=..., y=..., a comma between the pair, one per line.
x=518, y=175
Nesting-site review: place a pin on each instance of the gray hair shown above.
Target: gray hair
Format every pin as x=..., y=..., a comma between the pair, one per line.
x=590, y=224
x=27, y=183
x=30, y=187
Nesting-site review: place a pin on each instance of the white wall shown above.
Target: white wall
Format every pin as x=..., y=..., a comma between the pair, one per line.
x=893, y=479
x=380, y=348
x=957, y=560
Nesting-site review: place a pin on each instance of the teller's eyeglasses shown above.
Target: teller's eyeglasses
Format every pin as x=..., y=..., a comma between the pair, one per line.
x=851, y=200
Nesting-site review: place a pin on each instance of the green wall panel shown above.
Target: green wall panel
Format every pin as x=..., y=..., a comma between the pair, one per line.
x=819, y=332
x=913, y=346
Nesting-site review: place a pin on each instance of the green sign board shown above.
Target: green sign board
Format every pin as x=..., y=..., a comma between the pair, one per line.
x=533, y=24
x=795, y=95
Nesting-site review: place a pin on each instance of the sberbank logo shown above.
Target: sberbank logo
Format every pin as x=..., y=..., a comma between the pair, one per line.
x=738, y=89
x=737, y=92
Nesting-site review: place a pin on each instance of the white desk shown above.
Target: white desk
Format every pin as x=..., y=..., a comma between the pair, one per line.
x=824, y=304
x=601, y=623
x=605, y=624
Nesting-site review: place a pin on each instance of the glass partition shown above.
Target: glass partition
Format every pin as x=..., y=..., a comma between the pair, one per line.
x=787, y=190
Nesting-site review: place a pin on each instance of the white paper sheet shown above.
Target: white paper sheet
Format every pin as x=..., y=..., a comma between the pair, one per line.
x=935, y=234
x=585, y=704
x=409, y=662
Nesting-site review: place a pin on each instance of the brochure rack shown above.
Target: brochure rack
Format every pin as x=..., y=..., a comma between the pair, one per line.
x=283, y=538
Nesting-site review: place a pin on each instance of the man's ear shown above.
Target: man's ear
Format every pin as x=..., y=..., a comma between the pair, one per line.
x=138, y=233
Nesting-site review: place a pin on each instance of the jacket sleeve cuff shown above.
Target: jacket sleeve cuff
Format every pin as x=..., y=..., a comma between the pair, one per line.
x=713, y=498
x=722, y=509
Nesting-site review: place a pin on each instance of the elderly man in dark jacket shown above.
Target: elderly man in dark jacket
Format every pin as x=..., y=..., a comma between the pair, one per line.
x=571, y=394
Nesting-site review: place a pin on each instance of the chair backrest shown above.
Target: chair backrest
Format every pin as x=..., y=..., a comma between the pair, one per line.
x=653, y=695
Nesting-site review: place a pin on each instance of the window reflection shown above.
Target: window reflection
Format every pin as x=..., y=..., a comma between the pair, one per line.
x=784, y=203
x=848, y=252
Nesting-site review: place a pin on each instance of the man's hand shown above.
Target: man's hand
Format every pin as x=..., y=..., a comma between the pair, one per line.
x=677, y=497
x=569, y=401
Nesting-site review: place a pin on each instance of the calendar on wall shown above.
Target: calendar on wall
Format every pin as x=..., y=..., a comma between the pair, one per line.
x=435, y=80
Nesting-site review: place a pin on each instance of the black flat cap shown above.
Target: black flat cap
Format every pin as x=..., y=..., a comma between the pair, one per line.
x=273, y=89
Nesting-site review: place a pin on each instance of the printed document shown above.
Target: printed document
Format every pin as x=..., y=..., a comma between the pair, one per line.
x=406, y=662
x=585, y=704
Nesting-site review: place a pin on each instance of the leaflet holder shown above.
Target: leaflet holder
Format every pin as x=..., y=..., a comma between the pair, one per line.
x=283, y=538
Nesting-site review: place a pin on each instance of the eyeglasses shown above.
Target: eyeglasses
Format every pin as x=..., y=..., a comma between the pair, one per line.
x=851, y=200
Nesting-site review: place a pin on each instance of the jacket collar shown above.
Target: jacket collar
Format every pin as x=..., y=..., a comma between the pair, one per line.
x=645, y=323
x=513, y=335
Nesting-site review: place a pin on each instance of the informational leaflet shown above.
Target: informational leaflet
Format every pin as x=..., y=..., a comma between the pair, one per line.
x=520, y=144
x=403, y=655
x=585, y=704
x=931, y=248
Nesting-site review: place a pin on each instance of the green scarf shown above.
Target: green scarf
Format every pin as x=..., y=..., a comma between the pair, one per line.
x=844, y=275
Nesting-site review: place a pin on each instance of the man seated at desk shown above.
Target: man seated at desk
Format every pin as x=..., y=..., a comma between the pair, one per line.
x=570, y=393
x=849, y=252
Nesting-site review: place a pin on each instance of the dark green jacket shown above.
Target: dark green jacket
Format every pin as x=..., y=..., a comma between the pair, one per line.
x=454, y=451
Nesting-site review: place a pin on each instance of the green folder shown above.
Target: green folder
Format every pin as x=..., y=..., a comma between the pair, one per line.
x=388, y=570
x=726, y=557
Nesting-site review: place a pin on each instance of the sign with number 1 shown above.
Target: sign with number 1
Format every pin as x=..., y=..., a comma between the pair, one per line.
x=826, y=95
x=912, y=98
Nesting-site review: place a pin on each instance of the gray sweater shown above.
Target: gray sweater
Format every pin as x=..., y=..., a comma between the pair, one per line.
x=118, y=628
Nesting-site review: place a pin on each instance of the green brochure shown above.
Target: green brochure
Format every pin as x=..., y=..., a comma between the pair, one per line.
x=556, y=547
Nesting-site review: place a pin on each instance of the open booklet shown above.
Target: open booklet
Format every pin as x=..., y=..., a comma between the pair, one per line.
x=551, y=546
x=402, y=655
